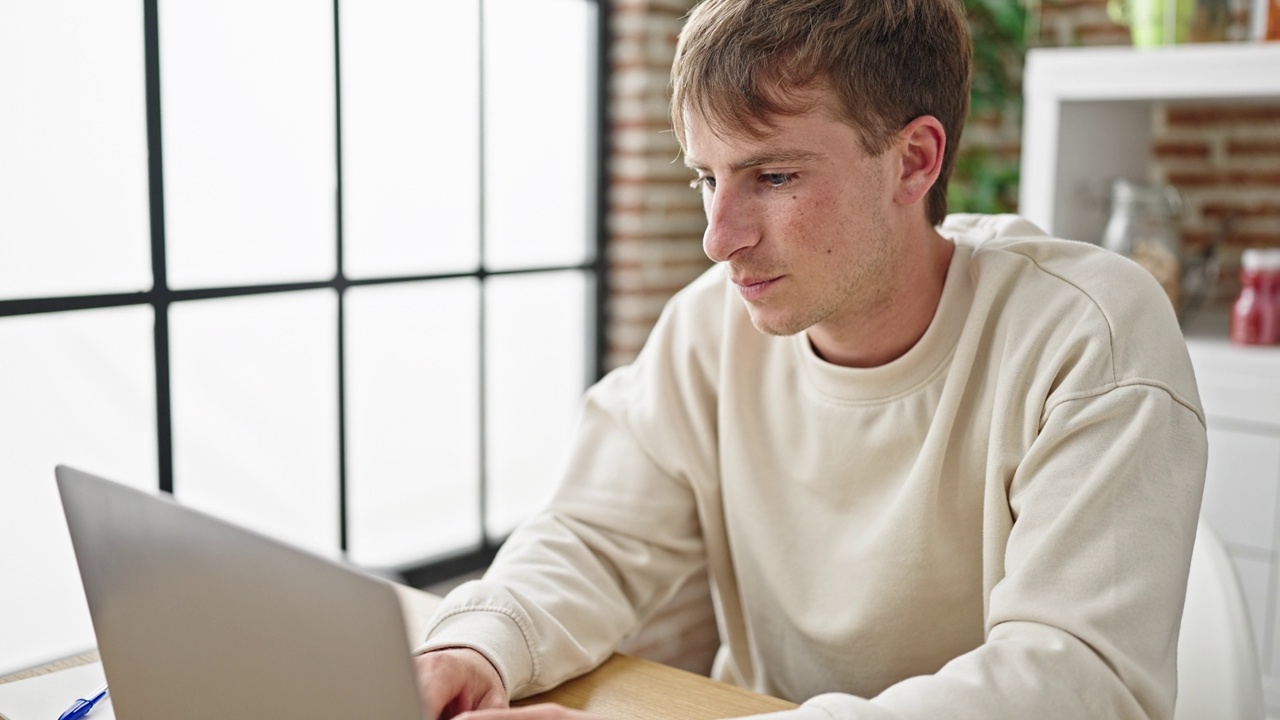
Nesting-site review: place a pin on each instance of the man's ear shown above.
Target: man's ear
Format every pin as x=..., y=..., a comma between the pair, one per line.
x=920, y=145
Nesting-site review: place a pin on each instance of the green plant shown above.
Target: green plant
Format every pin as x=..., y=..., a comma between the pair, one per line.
x=986, y=175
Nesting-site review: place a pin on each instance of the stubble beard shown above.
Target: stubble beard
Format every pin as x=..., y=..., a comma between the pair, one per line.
x=861, y=291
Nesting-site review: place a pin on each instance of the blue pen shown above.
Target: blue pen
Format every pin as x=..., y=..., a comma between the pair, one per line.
x=81, y=707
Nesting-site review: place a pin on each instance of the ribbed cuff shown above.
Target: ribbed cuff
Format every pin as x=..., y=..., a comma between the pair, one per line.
x=490, y=632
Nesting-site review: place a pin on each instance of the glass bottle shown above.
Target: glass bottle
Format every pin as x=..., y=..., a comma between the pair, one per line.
x=1273, y=291
x=1143, y=226
x=1255, y=315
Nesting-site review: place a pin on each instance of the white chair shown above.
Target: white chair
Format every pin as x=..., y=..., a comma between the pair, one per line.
x=1218, y=675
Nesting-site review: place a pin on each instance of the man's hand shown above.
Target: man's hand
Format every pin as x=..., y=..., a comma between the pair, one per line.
x=455, y=680
x=544, y=711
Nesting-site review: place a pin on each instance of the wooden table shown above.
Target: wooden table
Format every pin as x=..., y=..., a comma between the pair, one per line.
x=623, y=688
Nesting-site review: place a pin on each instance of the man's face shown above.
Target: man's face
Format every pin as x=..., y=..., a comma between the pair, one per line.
x=802, y=218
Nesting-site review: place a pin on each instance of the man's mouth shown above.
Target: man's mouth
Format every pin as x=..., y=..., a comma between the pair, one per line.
x=753, y=288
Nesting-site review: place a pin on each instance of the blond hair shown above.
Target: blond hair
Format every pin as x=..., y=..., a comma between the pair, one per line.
x=740, y=62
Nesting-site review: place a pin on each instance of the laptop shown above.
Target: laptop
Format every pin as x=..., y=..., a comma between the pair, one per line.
x=199, y=619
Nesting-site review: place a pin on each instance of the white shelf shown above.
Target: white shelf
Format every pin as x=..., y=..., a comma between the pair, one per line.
x=1181, y=72
x=1087, y=117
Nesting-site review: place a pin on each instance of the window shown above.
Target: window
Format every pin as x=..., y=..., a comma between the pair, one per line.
x=330, y=272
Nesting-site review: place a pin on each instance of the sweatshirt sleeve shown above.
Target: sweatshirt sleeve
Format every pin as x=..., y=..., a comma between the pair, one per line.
x=1084, y=623
x=622, y=532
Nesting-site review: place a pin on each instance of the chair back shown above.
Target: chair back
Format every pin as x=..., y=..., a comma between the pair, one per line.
x=1218, y=674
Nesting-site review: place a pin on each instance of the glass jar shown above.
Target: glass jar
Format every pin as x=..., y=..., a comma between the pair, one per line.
x=1212, y=17
x=1144, y=226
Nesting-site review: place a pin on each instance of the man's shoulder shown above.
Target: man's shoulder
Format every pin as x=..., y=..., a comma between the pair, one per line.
x=1074, y=301
x=1008, y=249
x=1012, y=236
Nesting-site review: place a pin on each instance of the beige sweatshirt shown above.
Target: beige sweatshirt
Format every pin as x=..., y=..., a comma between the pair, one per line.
x=998, y=524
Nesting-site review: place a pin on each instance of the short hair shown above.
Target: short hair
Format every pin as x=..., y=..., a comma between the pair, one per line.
x=740, y=62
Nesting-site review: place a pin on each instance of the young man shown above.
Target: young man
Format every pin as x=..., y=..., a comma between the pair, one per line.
x=935, y=469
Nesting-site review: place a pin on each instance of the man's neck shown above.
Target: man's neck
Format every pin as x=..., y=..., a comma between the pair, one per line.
x=880, y=337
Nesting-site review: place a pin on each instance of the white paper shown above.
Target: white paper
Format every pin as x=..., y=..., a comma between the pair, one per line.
x=45, y=697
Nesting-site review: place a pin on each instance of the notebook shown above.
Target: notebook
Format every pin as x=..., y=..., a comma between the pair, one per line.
x=47, y=696
x=199, y=619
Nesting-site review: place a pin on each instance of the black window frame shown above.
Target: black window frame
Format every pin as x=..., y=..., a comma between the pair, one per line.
x=161, y=296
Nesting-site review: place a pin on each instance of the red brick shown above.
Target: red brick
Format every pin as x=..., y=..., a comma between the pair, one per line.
x=1208, y=115
x=1195, y=239
x=1103, y=34
x=644, y=238
x=638, y=63
x=633, y=286
x=659, y=213
x=1230, y=178
x=1072, y=4
x=698, y=265
x=1254, y=240
x=1199, y=239
x=1181, y=149
x=1253, y=147
x=633, y=299
x=625, y=265
x=680, y=180
x=1219, y=210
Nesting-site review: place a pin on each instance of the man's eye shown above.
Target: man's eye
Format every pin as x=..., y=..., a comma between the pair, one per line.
x=705, y=181
x=777, y=179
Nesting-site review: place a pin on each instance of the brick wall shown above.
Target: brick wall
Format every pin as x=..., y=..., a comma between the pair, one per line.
x=655, y=220
x=655, y=248
x=1225, y=159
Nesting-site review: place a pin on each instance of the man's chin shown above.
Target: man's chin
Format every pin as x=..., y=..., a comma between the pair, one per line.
x=771, y=324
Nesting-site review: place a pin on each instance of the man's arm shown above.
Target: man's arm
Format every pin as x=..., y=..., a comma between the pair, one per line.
x=617, y=540
x=623, y=531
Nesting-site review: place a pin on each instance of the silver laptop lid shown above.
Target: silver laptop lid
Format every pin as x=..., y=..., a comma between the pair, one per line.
x=201, y=620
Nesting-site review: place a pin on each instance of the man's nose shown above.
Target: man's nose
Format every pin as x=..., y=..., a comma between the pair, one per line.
x=731, y=225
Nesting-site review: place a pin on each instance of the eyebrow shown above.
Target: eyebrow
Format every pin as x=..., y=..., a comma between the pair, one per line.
x=780, y=156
